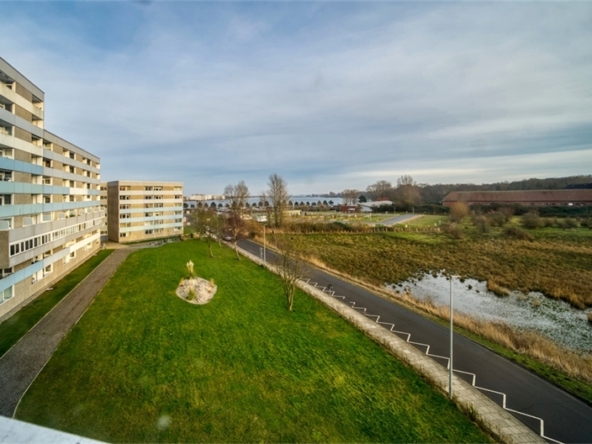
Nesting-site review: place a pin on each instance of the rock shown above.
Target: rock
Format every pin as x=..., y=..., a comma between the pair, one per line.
x=203, y=291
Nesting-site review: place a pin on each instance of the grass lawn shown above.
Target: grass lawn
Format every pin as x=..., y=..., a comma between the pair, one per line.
x=15, y=327
x=427, y=221
x=143, y=365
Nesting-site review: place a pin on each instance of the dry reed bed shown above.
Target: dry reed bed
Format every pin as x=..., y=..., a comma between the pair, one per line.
x=559, y=269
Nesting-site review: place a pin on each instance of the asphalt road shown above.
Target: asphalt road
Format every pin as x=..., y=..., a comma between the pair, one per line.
x=398, y=219
x=565, y=418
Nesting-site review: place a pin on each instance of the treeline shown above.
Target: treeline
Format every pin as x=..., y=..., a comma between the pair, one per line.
x=408, y=192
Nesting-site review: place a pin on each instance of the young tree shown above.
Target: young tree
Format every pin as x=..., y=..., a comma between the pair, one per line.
x=236, y=195
x=279, y=197
x=235, y=229
x=289, y=264
x=204, y=220
x=458, y=211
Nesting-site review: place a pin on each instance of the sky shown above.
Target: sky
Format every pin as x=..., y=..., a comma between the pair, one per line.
x=330, y=95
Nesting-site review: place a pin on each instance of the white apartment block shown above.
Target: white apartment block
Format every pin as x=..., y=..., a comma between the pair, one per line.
x=143, y=210
x=50, y=217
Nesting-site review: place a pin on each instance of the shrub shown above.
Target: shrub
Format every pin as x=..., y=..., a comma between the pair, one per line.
x=453, y=231
x=531, y=220
x=458, y=211
x=497, y=218
x=570, y=223
x=481, y=223
x=517, y=233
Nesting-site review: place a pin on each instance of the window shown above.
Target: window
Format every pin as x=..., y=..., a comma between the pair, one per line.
x=5, y=199
x=125, y=216
x=5, y=176
x=5, y=295
x=71, y=169
x=124, y=207
x=6, y=152
x=147, y=188
x=148, y=231
x=124, y=198
x=123, y=234
x=46, y=180
x=5, y=224
x=48, y=269
x=46, y=198
x=47, y=163
x=5, y=272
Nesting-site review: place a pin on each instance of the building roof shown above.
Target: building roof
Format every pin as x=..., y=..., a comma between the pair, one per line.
x=530, y=196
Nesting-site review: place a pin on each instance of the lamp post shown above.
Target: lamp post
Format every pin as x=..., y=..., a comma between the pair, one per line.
x=264, y=244
x=451, y=335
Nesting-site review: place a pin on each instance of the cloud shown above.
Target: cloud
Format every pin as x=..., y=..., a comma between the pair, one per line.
x=331, y=96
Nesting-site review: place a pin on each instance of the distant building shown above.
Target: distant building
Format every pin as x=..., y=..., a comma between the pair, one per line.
x=368, y=207
x=572, y=197
x=50, y=216
x=142, y=210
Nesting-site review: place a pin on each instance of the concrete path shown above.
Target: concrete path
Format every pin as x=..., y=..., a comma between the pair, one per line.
x=22, y=363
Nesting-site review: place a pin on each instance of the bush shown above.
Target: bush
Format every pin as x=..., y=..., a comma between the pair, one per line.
x=481, y=223
x=453, y=231
x=531, y=221
x=517, y=233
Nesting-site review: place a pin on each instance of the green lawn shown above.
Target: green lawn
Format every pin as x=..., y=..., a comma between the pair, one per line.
x=143, y=365
x=12, y=329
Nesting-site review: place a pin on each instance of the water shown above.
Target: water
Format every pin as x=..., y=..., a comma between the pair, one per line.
x=552, y=318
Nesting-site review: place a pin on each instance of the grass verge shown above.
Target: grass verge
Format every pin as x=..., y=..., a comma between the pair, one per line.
x=15, y=327
x=142, y=365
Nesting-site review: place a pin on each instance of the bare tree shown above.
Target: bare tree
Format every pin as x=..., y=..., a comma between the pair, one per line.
x=405, y=179
x=237, y=195
x=289, y=264
x=235, y=229
x=380, y=189
x=204, y=221
x=350, y=197
x=407, y=190
x=278, y=195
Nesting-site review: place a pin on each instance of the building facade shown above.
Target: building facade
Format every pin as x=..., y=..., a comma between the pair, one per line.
x=572, y=197
x=50, y=217
x=139, y=210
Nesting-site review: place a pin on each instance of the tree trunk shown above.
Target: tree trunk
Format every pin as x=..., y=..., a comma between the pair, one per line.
x=236, y=251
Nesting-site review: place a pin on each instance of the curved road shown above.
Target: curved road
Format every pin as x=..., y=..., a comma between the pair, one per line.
x=565, y=418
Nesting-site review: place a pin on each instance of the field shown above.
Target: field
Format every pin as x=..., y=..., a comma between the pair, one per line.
x=557, y=262
x=142, y=365
x=21, y=322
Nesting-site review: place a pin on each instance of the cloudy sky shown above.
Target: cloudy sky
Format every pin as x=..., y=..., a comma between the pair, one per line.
x=328, y=94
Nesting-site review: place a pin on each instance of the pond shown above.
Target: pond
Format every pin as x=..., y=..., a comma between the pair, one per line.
x=552, y=318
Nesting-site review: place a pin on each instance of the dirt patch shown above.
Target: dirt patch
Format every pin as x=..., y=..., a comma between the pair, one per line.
x=196, y=290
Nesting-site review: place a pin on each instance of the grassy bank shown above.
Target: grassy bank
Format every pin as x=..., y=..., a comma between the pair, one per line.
x=143, y=365
x=12, y=329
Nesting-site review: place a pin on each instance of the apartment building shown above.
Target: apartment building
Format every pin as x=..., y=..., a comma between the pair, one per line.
x=50, y=217
x=139, y=210
x=104, y=231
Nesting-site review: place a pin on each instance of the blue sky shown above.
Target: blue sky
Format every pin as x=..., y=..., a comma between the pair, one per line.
x=330, y=95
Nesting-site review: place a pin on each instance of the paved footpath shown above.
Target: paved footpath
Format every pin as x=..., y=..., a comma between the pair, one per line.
x=24, y=361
